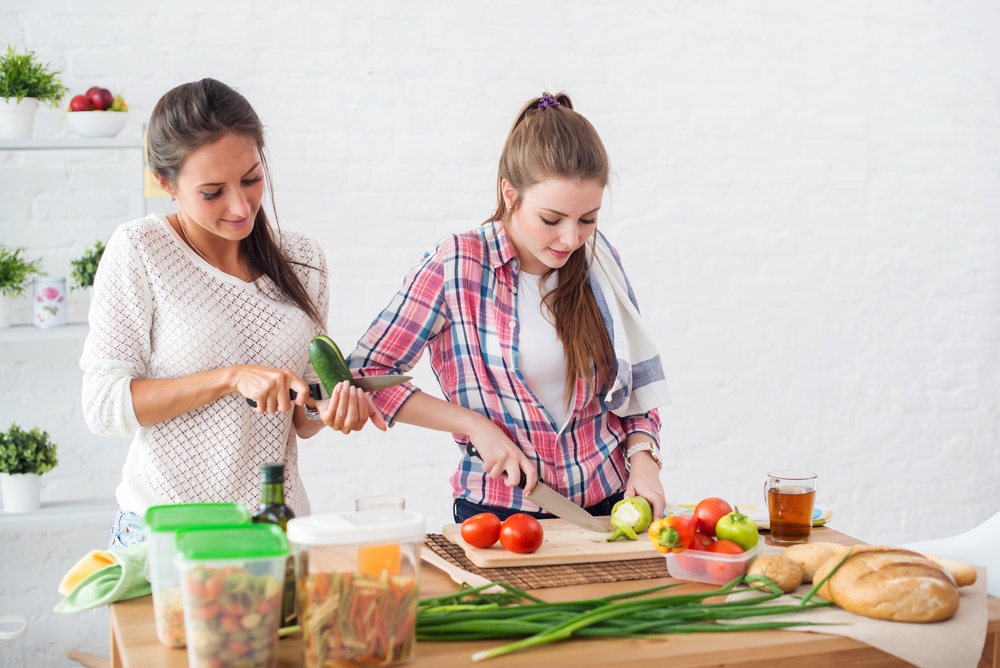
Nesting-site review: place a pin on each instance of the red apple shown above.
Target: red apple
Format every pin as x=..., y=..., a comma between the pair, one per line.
x=79, y=103
x=90, y=91
x=101, y=99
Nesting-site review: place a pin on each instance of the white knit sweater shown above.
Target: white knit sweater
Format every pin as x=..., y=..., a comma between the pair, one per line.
x=161, y=311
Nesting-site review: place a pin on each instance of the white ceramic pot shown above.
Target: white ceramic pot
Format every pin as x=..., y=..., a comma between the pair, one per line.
x=21, y=492
x=6, y=308
x=17, y=119
x=49, y=302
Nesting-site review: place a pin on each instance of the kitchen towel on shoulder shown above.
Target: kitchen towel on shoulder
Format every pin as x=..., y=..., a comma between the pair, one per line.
x=640, y=384
x=105, y=576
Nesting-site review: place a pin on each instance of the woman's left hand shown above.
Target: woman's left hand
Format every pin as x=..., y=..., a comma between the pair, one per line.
x=349, y=409
x=644, y=481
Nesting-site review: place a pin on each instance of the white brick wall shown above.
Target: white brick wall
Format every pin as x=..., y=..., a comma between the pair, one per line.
x=807, y=198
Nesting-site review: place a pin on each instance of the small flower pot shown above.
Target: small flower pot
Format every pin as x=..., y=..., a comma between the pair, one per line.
x=49, y=303
x=17, y=119
x=21, y=492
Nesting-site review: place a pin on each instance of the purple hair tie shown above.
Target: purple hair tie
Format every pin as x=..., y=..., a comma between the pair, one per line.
x=547, y=101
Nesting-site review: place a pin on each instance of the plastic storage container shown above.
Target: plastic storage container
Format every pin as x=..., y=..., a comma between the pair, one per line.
x=231, y=581
x=161, y=524
x=13, y=629
x=710, y=567
x=358, y=584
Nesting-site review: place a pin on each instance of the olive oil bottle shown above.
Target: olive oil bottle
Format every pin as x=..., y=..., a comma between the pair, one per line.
x=272, y=510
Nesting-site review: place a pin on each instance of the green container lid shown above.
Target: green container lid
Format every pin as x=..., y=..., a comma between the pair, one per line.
x=254, y=541
x=170, y=518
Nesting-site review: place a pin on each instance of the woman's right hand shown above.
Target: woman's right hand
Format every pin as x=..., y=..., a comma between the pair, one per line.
x=269, y=387
x=501, y=457
x=349, y=409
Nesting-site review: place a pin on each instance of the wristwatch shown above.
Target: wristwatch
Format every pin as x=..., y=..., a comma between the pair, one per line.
x=311, y=413
x=646, y=446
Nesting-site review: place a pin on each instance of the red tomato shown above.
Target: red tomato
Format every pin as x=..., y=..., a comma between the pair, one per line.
x=521, y=533
x=482, y=530
x=702, y=541
x=723, y=571
x=708, y=512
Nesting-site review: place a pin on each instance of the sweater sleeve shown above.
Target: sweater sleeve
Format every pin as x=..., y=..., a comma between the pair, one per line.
x=117, y=348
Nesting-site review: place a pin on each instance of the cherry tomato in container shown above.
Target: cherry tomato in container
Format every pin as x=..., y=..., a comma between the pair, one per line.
x=521, y=533
x=708, y=512
x=693, y=559
x=723, y=571
x=482, y=530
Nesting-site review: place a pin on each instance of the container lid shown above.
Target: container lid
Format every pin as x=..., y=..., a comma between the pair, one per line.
x=187, y=515
x=253, y=541
x=366, y=527
x=12, y=627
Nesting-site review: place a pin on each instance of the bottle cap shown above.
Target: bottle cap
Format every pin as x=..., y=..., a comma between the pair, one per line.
x=271, y=472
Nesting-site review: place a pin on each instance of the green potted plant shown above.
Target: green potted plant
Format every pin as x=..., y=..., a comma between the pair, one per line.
x=84, y=267
x=24, y=83
x=15, y=273
x=24, y=457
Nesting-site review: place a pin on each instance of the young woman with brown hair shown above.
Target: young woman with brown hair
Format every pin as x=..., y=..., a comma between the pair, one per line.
x=196, y=312
x=529, y=320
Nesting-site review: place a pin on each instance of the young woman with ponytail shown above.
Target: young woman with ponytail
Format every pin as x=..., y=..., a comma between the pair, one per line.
x=528, y=337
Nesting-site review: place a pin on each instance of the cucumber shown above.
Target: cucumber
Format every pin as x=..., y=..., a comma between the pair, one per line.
x=328, y=362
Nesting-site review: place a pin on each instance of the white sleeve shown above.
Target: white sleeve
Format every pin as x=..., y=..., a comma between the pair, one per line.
x=117, y=348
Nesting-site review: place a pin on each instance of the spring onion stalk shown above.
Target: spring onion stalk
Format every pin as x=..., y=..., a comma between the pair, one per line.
x=471, y=614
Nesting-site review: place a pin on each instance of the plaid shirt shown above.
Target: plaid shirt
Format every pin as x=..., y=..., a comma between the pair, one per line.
x=460, y=301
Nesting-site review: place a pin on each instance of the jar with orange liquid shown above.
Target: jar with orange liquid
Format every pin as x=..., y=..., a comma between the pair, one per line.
x=357, y=585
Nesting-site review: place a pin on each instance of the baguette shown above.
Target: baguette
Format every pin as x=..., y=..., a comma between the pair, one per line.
x=963, y=574
x=889, y=583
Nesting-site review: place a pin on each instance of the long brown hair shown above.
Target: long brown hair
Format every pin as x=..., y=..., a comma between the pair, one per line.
x=199, y=113
x=549, y=139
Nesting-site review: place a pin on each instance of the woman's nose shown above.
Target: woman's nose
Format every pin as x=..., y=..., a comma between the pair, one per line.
x=239, y=204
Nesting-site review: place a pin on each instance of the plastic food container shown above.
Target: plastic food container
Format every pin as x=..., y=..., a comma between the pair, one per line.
x=709, y=567
x=161, y=524
x=357, y=576
x=231, y=580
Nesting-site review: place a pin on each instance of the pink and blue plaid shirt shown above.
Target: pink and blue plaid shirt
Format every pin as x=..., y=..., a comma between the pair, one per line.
x=460, y=302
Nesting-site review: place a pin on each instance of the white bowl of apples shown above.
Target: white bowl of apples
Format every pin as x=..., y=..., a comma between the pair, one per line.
x=97, y=113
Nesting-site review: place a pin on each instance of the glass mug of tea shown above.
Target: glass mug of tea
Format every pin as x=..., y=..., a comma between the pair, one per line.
x=790, y=497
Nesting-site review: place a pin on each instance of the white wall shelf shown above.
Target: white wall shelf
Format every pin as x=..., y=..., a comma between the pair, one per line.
x=30, y=333
x=69, y=143
x=61, y=514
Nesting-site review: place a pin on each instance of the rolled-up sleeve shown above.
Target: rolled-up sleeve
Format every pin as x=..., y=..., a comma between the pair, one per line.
x=117, y=348
x=399, y=335
x=646, y=423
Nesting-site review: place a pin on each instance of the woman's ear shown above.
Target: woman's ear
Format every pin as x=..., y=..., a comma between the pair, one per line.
x=167, y=186
x=509, y=194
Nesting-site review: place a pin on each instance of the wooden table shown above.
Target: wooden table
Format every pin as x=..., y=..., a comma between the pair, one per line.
x=134, y=643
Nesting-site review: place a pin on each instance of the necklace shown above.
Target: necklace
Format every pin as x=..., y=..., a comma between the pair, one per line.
x=187, y=240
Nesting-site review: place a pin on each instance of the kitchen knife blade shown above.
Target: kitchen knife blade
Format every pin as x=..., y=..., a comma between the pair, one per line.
x=367, y=384
x=551, y=501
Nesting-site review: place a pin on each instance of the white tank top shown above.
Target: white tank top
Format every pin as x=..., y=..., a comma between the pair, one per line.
x=540, y=356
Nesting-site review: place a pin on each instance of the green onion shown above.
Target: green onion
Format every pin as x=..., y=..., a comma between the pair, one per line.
x=471, y=614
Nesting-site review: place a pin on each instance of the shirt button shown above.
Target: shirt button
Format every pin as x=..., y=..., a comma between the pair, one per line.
x=512, y=324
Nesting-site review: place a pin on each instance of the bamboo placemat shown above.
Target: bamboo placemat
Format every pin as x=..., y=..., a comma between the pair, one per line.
x=541, y=577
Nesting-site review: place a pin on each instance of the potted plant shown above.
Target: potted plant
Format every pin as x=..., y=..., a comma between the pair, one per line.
x=15, y=272
x=24, y=82
x=24, y=457
x=84, y=267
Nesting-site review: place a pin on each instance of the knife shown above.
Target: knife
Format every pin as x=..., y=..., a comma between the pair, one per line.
x=367, y=384
x=550, y=500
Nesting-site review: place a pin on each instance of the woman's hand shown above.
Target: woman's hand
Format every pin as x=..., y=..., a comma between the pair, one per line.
x=644, y=481
x=501, y=458
x=349, y=409
x=269, y=387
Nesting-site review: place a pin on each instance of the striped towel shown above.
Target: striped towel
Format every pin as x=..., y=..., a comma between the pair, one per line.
x=640, y=384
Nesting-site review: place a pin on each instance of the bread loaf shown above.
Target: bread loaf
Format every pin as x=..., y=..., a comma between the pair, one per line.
x=889, y=583
x=784, y=573
x=810, y=556
x=963, y=573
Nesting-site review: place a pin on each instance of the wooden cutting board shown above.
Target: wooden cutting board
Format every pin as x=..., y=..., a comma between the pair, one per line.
x=564, y=543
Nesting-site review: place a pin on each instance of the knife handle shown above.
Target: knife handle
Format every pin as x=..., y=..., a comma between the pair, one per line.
x=314, y=393
x=470, y=449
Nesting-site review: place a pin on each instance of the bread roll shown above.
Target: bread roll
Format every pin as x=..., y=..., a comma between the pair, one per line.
x=784, y=573
x=810, y=556
x=963, y=573
x=890, y=583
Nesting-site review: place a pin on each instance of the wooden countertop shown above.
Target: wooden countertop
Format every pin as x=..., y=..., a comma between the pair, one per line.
x=134, y=643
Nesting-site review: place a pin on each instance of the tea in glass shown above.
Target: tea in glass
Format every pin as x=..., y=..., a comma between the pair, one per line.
x=790, y=499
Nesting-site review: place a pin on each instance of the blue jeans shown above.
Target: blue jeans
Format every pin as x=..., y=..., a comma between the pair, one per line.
x=127, y=530
x=463, y=509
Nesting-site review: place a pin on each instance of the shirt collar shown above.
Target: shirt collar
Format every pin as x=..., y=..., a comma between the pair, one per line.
x=501, y=250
